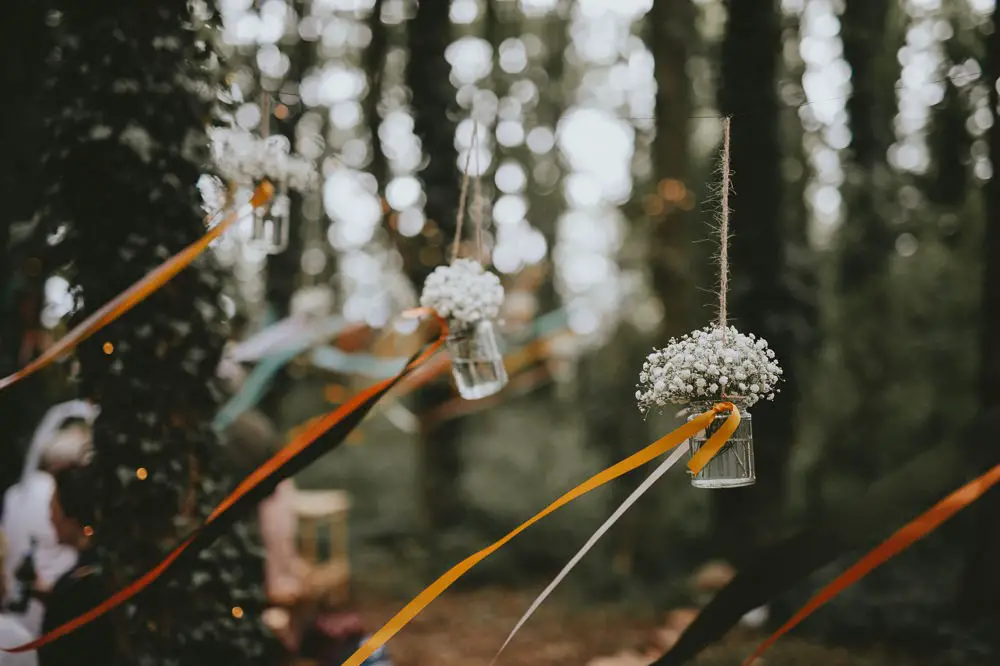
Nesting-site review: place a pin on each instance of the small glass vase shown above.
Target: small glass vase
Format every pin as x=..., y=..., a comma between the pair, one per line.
x=476, y=359
x=271, y=224
x=732, y=466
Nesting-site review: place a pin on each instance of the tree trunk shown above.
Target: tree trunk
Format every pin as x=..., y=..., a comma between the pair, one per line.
x=761, y=298
x=284, y=269
x=864, y=310
x=428, y=76
x=866, y=238
x=127, y=146
x=672, y=31
x=981, y=584
x=24, y=44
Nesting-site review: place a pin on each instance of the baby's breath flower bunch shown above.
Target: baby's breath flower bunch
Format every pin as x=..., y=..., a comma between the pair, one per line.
x=707, y=365
x=244, y=158
x=463, y=292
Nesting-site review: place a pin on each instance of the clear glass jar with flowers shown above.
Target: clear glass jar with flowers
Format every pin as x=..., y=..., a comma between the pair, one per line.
x=469, y=297
x=708, y=366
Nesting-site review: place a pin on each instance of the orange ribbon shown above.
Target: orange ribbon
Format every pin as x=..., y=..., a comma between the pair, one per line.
x=259, y=476
x=715, y=443
x=898, y=542
x=135, y=294
x=673, y=439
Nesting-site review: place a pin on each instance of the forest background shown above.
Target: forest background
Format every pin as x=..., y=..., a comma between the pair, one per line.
x=864, y=224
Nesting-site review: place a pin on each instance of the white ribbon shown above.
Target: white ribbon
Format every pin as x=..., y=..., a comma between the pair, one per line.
x=283, y=335
x=670, y=461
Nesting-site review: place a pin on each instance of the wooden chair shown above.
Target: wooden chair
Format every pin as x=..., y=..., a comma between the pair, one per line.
x=323, y=545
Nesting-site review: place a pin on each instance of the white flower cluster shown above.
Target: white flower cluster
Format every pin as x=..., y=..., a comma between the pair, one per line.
x=463, y=292
x=707, y=365
x=244, y=158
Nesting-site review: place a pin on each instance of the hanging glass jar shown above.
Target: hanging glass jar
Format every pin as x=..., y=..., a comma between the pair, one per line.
x=271, y=223
x=733, y=465
x=476, y=359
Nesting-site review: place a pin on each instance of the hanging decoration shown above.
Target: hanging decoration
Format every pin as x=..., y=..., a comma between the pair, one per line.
x=469, y=297
x=243, y=159
x=702, y=370
x=706, y=434
x=712, y=365
x=670, y=441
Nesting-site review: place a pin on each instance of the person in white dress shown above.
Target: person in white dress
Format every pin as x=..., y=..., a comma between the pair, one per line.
x=26, y=504
x=12, y=632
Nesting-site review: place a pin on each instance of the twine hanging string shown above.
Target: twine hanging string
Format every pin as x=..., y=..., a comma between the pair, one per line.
x=724, y=228
x=464, y=194
x=477, y=210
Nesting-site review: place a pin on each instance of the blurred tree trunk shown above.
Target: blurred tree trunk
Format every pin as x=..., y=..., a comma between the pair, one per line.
x=863, y=311
x=949, y=145
x=672, y=33
x=120, y=171
x=433, y=106
x=374, y=63
x=866, y=240
x=24, y=45
x=284, y=269
x=981, y=584
x=760, y=295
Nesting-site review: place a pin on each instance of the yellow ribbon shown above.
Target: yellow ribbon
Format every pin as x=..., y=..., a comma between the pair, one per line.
x=138, y=292
x=718, y=439
x=658, y=448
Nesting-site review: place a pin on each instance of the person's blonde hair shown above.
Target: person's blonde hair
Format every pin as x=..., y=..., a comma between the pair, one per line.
x=70, y=446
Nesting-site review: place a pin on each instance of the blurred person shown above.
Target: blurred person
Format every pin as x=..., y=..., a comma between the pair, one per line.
x=250, y=441
x=73, y=511
x=12, y=632
x=299, y=620
x=62, y=439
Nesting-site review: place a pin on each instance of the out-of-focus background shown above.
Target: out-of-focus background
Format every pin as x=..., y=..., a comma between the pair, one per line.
x=861, y=162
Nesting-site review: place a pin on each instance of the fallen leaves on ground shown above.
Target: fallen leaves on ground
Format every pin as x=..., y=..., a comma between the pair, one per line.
x=467, y=628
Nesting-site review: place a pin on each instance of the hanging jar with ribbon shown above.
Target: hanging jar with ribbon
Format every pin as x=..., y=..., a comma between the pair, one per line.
x=732, y=466
x=716, y=369
x=244, y=159
x=272, y=223
x=469, y=297
x=714, y=365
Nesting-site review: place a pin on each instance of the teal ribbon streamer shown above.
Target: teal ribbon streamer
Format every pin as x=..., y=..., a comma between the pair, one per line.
x=333, y=359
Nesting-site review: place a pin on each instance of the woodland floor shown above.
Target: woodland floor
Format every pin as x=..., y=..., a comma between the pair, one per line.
x=467, y=628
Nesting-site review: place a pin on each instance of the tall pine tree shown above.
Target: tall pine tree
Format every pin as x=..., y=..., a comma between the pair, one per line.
x=762, y=290
x=127, y=108
x=981, y=582
x=433, y=106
